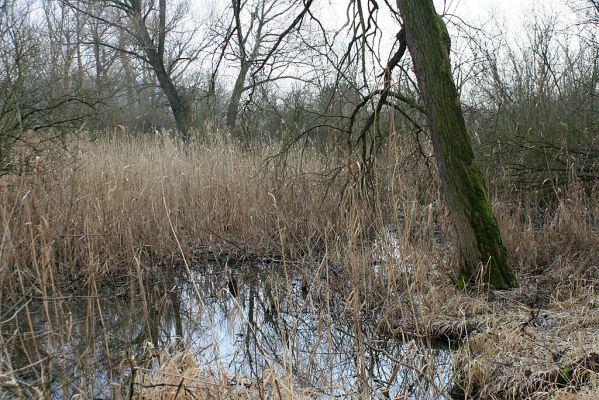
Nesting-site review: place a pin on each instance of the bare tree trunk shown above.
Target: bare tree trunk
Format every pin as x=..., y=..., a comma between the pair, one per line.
x=155, y=57
x=233, y=107
x=246, y=61
x=482, y=255
x=78, y=38
x=257, y=44
x=129, y=76
x=97, y=57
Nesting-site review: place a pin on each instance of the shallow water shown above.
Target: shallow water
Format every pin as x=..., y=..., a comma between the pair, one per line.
x=244, y=322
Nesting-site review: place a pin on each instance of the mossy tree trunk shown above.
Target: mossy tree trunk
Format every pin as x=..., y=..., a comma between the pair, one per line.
x=482, y=255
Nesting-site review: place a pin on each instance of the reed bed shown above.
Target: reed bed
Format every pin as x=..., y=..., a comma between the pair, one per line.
x=119, y=200
x=122, y=208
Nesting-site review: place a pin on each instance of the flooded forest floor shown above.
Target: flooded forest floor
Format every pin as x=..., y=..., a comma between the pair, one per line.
x=131, y=268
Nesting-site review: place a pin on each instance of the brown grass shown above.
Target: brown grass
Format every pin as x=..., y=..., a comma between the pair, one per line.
x=180, y=377
x=121, y=206
x=121, y=199
x=537, y=341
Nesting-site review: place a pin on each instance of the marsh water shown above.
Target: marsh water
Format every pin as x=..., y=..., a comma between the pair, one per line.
x=238, y=322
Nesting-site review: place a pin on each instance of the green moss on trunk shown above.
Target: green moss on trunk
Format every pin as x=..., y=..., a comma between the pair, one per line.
x=483, y=256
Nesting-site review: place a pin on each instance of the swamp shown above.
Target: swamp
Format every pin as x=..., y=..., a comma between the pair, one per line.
x=281, y=199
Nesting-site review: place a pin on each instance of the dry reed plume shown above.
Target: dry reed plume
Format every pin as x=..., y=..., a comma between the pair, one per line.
x=118, y=200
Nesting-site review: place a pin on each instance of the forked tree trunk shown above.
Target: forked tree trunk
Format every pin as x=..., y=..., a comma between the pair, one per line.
x=155, y=57
x=482, y=255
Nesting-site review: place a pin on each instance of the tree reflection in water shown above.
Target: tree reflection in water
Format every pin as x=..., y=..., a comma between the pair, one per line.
x=246, y=322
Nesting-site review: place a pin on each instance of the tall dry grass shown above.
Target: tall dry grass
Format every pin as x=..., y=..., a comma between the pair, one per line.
x=119, y=199
x=118, y=207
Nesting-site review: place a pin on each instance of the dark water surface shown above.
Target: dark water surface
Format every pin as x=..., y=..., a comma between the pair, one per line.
x=245, y=321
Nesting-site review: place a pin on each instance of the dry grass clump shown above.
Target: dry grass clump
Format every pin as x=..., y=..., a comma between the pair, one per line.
x=121, y=200
x=558, y=242
x=507, y=349
x=537, y=341
x=179, y=376
x=532, y=356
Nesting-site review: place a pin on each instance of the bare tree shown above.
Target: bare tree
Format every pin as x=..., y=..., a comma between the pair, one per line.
x=265, y=47
x=588, y=9
x=31, y=99
x=151, y=26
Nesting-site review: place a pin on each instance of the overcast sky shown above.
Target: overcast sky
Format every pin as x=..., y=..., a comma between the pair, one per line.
x=511, y=15
x=514, y=13
x=514, y=10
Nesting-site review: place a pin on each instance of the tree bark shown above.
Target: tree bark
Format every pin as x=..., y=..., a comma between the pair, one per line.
x=482, y=255
x=233, y=107
x=245, y=60
x=155, y=57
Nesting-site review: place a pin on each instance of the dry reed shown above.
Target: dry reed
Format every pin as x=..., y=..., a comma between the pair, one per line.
x=113, y=200
x=123, y=206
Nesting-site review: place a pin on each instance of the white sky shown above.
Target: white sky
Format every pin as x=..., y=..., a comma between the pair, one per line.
x=511, y=15
x=471, y=9
x=515, y=12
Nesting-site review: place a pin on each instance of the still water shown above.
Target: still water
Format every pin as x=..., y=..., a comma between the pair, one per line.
x=238, y=322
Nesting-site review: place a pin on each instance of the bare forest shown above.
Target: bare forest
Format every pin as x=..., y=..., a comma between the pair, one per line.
x=299, y=199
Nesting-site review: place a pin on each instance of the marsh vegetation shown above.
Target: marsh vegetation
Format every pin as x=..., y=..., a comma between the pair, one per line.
x=136, y=268
x=283, y=242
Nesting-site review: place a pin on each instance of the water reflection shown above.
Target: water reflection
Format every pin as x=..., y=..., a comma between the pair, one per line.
x=247, y=321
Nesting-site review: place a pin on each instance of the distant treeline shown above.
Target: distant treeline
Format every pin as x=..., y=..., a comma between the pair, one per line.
x=270, y=69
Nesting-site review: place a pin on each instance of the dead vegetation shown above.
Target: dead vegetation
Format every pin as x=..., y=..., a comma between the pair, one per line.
x=119, y=200
x=122, y=207
x=537, y=341
x=180, y=377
